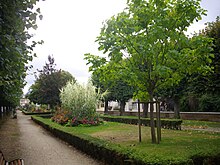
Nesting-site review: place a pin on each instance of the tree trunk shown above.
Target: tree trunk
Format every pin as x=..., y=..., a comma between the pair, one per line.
x=153, y=134
x=106, y=107
x=139, y=121
x=122, y=107
x=145, y=110
x=158, y=122
x=176, y=108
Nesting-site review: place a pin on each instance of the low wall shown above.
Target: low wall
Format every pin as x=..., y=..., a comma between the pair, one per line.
x=204, y=116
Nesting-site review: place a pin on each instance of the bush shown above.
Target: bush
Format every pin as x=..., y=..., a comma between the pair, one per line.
x=165, y=123
x=79, y=102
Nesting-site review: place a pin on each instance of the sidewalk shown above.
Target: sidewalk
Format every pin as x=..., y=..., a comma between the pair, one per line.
x=22, y=138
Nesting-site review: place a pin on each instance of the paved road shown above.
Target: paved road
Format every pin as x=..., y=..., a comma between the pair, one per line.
x=22, y=138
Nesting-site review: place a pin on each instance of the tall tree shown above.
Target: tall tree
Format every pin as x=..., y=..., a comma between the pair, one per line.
x=150, y=34
x=46, y=89
x=211, y=81
x=206, y=88
x=16, y=18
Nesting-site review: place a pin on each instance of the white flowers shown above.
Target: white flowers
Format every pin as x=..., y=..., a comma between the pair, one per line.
x=81, y=100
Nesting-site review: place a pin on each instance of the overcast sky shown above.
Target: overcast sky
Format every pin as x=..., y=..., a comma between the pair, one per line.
x=70, y=27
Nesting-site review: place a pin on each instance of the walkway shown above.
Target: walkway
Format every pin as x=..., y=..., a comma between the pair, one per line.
x=22, y=138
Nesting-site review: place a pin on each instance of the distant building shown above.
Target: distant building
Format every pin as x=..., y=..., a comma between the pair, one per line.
x=23, y=102
x=131, y=105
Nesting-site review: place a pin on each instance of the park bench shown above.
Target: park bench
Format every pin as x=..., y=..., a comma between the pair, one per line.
x=13, y=162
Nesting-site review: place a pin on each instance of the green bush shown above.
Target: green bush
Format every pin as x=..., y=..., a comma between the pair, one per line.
x=165, y=123
x=181, y=148
x=80, y=100
x=78, y=105
x=209, y=103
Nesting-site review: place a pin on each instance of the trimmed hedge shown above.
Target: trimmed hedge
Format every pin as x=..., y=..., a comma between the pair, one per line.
x=165, y=123
x=36, y=113
x=114, y=154
x=97, y=148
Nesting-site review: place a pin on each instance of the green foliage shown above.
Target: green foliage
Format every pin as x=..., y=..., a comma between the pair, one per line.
x=209, y=103
x=203, y=103
x=205, y=88
x=16, y=18
x=111, y=77
x=80, y=100
x=46, y=89
x=113, y=140
x=150, y=36
x=165, y=123
x=210, y=82
x=213, y=30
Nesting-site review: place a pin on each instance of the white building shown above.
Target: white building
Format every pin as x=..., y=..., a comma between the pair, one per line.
x=24, y=101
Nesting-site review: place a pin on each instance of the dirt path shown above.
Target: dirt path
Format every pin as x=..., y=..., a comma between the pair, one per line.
x=22, y=138
x=200, y=128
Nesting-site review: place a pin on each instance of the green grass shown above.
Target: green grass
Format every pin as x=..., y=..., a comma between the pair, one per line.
x=176, y=146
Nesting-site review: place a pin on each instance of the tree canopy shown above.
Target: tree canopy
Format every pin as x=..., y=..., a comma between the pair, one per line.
x=16, y=18
x=202, y=92
x=46, y=89
x=150, y=35
x=111, y=78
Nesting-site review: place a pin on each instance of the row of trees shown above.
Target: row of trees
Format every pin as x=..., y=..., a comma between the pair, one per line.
x=148, y=51
x=49, y=82
x=16, y=18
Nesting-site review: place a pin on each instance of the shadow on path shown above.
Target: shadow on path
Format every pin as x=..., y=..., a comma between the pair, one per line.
x=22, y=138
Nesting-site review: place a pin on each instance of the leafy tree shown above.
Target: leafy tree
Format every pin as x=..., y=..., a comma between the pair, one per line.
x=16, y=18
x=46, y=89
x=206, y=88
x=150, y=34
x=213, y=31
x=210, y=83
x=108, y=76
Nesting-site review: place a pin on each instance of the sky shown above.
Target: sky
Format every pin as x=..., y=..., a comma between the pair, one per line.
x=69, y=29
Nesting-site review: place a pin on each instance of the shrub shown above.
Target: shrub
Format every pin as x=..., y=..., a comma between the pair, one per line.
x=165, y=123
x=79, y=102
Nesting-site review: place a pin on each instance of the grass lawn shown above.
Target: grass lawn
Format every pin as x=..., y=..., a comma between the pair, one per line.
x=176, y=146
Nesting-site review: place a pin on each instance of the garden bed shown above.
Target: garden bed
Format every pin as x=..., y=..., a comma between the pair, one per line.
x=165, y=123
x=117, y=143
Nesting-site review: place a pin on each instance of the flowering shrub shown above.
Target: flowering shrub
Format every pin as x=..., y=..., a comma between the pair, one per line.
x=61, y=116
x=79, y=102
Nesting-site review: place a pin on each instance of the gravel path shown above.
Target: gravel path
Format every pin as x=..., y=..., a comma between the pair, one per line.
x=208, y=129
x=22, y=138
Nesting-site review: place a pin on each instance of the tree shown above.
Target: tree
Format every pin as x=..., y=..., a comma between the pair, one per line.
x=210, y=83
x=110, y=77
x=213, y=31
x=150, y=35
x=46, y=89
x=16, y=18
x=206, y=88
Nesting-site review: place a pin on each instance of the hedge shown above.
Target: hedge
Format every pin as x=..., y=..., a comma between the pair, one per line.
x=97, y=148
x=114, y=154
x=165, y=123
x=36, y=113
